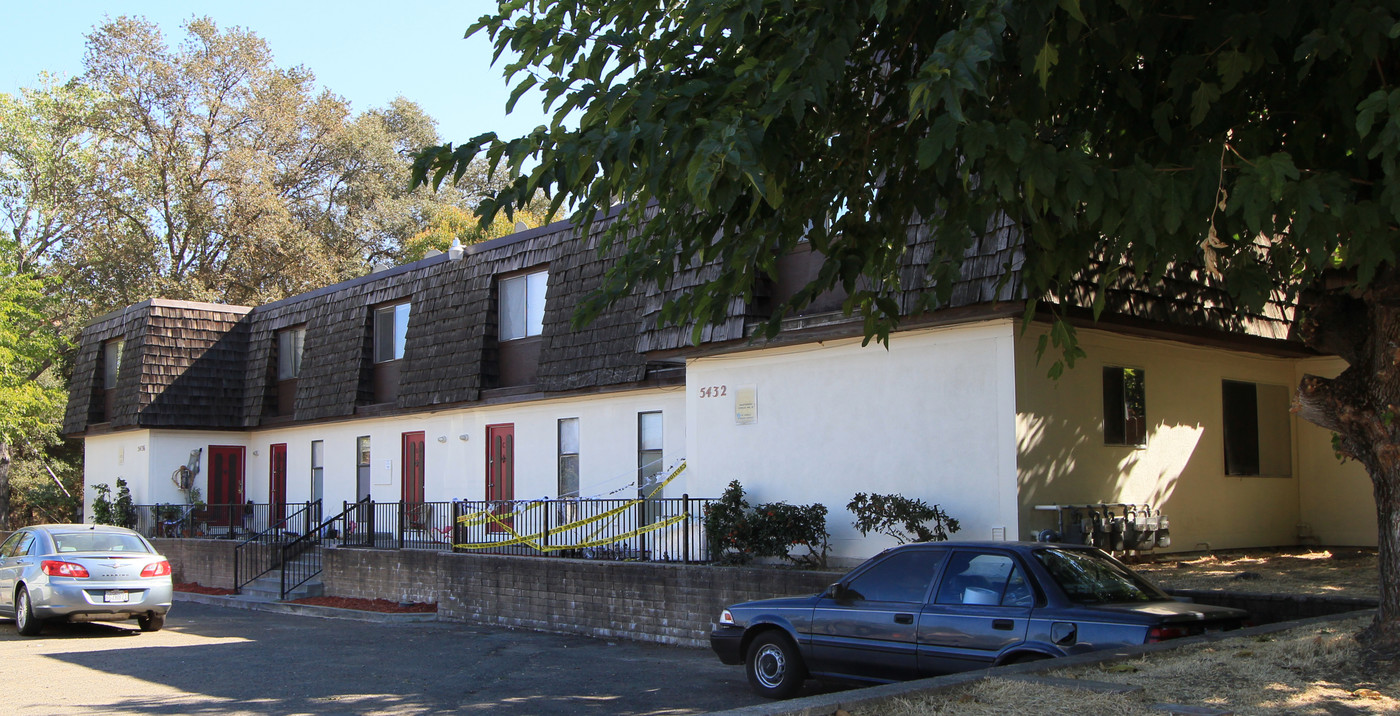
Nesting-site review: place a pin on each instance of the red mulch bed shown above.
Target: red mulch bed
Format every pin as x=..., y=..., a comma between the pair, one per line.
x=369, y=605
x=198, y=588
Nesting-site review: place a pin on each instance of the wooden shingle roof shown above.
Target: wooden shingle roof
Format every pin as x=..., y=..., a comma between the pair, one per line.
x=189, y=365
x=215, y=368
x=182, y=366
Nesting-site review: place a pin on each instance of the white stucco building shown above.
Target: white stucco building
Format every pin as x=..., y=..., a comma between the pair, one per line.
x=458, y=377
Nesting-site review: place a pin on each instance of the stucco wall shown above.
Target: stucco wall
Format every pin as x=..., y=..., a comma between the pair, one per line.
x=932, y=417
x=1336, y=498
x=1063, y=458
x=455, y=468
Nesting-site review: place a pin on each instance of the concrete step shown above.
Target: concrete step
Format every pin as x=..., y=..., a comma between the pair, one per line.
x=269, y=587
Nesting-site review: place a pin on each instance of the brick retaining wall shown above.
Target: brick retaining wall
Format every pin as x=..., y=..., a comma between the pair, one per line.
x=663, y=603
x=207, y=561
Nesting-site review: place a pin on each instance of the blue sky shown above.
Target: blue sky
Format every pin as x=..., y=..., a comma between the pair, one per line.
x=367, y=52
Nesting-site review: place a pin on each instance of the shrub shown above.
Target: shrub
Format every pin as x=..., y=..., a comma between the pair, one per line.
x=901, y=518
x=107, y=511
x=738, y=533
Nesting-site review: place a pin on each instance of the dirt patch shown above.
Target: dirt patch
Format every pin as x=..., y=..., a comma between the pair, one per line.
x=369, y=605
x=1318, y=669
x=1348, y=572
x=197, y=588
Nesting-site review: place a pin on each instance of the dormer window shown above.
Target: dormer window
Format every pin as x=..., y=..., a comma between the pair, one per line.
x=522, y=305
x=389, y=340
x=520, y=314
x=111, y=363
x=390, y=332
x=104, y=398
x=289, y=350
x=289, y=347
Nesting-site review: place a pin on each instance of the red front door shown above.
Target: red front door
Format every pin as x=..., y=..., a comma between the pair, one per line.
x=413, y=467
x=225, y=482
x=277, y=472
x=500, y=467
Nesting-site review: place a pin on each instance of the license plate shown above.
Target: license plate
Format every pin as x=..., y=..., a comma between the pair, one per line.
x=116, y=596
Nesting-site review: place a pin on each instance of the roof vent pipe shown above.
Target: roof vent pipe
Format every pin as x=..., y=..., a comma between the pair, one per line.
x=455, y=251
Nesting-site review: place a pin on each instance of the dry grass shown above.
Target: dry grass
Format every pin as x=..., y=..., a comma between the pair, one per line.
x=1337, y=571
x=1310, y=670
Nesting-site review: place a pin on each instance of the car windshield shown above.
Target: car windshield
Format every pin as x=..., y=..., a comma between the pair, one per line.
x=98, y=542
x=1087, y=578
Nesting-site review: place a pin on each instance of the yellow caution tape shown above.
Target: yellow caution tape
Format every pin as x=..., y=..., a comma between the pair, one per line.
x=531, y=540
x=502, y=522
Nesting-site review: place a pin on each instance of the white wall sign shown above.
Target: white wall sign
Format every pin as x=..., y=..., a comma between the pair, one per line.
x=745, y=405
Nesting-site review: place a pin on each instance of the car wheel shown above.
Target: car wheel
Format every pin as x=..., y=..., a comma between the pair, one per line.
x=153, y=622
x=774, y=667
x=25, y=622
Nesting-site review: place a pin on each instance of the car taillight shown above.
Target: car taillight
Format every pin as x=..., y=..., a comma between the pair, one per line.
x=1163, y=633
x=157, y=569
x=55, y=568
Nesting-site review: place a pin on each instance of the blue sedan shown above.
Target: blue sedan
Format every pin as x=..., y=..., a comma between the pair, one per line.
x=926, y=609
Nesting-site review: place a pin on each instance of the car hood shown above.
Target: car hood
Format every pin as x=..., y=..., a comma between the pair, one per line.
x=808, y=600
x=1173, y=611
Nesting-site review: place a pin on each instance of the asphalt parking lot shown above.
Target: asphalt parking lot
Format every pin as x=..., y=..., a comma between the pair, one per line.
x=217, y=660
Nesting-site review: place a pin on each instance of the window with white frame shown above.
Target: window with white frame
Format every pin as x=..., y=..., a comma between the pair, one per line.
x=522, y=305
x=649, y=455
x=390, y=332
x=289, y=348
x=568, y=458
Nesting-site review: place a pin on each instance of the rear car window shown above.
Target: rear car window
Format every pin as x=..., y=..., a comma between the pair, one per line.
x=1088, y=578
x=984, y=580
x=98, y=542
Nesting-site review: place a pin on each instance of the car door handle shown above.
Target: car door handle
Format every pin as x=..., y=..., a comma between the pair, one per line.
x=1003, y=624
x=904, y=619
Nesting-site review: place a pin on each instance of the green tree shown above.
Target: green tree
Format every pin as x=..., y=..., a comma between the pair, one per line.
x=204, y=171
x=1256, y=140
x=199, y=171
x=31, y=396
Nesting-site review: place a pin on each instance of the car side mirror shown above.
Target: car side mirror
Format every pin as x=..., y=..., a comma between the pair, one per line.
x=837, y=591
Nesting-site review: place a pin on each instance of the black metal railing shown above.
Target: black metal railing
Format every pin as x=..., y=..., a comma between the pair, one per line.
x=261, y=552
x=240, y=520
x=301, y=557
x=662, y=530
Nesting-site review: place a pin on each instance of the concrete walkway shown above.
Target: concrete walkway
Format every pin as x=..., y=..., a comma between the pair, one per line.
x=241, y=601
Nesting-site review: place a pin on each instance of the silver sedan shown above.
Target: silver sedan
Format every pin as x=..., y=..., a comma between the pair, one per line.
x=82, y=573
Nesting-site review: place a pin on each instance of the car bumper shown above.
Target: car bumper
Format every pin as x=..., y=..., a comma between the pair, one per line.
x=727, y=643
x=78, y=601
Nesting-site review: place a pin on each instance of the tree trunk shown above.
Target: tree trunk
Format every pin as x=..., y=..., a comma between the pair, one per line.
x=1362, y=406
x=4, y=485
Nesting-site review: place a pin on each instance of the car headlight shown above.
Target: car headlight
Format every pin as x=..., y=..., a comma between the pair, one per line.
x=726, y=618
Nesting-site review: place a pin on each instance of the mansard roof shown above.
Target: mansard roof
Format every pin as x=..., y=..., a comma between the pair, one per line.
x=211, y=366
x=200, y=365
